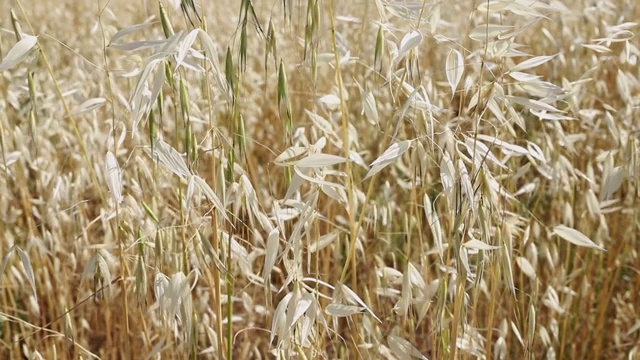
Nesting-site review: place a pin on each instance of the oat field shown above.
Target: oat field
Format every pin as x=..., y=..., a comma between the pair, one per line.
x=319, y=179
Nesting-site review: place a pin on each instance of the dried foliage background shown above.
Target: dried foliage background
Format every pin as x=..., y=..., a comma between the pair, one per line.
x=319, y=179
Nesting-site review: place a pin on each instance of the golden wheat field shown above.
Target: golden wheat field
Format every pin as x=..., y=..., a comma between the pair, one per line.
x=319, y=179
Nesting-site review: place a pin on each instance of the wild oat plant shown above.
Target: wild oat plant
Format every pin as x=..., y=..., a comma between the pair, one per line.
x=361, y=179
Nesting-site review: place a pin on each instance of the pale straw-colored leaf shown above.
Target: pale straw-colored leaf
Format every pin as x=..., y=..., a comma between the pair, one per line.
x=536, y=151
x=481, y=153
x=191, y=191
x=102, y=263
x=19, y=52
x=593, y=205
x=212, y=55
x=507, y=147
x=340, y=310
x=160, y=285
x=319, y=180
x=495, y=109
x=331, y=101
x=357, y=159
x=170, y=158
x=415, y=276
x=410, y=41
x=500, y=348
x=531, y=104
x=467, y=187
x=336, y=193
x=526, y=267
x=292, y=313
x=403, y=349
x=210, y=194
x=527, y=188
x=5, y=261
x=406, y=292
x=454, y=69
x=352, y=297
x=434, y=225
x=476, y=244
x=114, y=177
x=597, y=48
x=318, y=160
x=139, y=45
x=178, y=302
x=271, y=255
x=320, y=123
x=301, y=306
x=612, y=183
x=529, y=8
x=575, y=237
x=296, y=182
x=324, y=241
x=142, y=97
x=250, y=196
x=26, y=263
x=524, y=77
x=153, y=354
x=552, y=301
x=507, y=268
x=492, y=6
x=447, y=175
x=390, y=155
x=544, y=115
x=531, y=63
x=278, y=327
x=185, y=46
x=369, y=107
x=213, y=254
x=464, y=261
x=90, y=105
x=390, y=275
x=9, y=159
x=290, y=155
x=129, y=30
x=486, y=32
x=633, y=329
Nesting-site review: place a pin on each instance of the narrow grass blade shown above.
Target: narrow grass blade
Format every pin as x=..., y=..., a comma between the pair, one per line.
x=575, y=237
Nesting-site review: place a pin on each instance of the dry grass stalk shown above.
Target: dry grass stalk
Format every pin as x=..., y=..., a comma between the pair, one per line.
x=363, y=179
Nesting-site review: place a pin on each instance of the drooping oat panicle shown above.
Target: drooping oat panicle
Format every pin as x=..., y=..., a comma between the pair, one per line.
x=498, y=140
